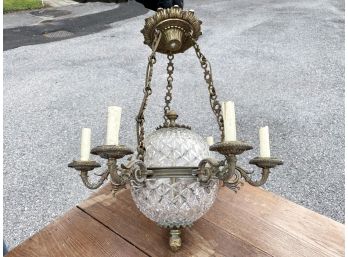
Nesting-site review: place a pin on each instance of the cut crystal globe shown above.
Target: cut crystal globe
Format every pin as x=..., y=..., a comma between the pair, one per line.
x=172, y=201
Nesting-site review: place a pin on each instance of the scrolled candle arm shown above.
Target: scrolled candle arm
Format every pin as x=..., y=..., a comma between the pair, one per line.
x=95, y=185
x=84, y=167
x=266, y=164
x=207, y=168
x=119, y=177
x=231, y=175
x=224, y=170
x=136, y=170
x=265, y=173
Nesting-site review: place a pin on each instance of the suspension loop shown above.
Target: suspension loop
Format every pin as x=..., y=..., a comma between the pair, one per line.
x=168, y=98
x=208, y=77
x=147, y=92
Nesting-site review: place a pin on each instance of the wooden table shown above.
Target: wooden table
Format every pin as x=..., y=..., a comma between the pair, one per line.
x=252, y=222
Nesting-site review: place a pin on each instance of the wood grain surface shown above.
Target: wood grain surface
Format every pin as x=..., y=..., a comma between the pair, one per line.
x=75, y=234
x=203, y=239
x=276, y=225
x=252, y=222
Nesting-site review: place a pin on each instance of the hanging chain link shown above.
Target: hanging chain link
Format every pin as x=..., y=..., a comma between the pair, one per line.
x=168, y=98
x=147, y=92
x=208, y=77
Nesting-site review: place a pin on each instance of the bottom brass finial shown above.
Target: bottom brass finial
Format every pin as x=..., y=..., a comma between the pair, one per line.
x=175, y=239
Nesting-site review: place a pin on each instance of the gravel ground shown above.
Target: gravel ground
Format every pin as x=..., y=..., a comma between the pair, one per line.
x=282, y=62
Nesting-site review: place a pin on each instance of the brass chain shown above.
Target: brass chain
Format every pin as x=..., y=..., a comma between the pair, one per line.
x=147, y=92
x=214, y=103
x=208, y=77
x=168, y=98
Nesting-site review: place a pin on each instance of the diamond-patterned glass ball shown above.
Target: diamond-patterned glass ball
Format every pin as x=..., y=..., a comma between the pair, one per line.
x=174, y=202
x=169, y=147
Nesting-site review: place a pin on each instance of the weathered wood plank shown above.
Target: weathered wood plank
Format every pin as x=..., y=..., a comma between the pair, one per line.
x=203, y=239
x=253, y=222
x=75, y=234
x=276, y=225
x=259, y=218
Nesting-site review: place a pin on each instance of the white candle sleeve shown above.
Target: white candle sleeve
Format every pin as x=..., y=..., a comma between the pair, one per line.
x=229, y=116
x=264, y=142
x=210, y=141
x=85, y=144
x=113, y=125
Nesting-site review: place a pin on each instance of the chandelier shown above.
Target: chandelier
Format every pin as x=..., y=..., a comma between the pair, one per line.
x=173, y=175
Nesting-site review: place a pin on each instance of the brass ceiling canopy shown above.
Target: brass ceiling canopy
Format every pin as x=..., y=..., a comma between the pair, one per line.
x=176, y=26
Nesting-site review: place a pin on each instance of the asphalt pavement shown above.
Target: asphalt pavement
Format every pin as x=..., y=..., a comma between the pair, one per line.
x=35, y=17
x=55, y=24
x=281, y=62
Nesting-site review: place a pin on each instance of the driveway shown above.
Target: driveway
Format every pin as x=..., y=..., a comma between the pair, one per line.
x=282, y=62
x=54, y=24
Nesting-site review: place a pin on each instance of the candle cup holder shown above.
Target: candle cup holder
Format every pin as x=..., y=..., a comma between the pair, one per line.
x=266, y=162
x=112, y=151
x=84, y=165
x=230, y=147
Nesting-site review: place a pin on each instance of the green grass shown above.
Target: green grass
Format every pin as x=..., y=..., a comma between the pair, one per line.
x=18, y=5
